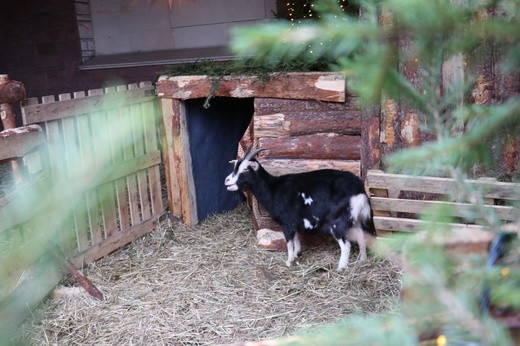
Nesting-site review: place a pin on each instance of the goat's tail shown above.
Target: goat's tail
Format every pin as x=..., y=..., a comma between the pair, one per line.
x=361, y=212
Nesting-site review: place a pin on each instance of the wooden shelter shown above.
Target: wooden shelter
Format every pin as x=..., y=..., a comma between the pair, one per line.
x=305, y=120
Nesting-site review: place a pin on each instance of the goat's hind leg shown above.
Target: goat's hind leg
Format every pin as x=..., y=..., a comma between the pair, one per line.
x=338, y=230
x=297, y=245
x=293, y=244
x=345, y=254
x=359, y=237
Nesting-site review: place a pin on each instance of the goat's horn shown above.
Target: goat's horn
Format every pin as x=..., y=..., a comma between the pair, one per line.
x=250, y=154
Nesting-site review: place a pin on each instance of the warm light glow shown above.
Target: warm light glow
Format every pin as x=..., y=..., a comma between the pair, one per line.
x=442, y=340
x=504, y=271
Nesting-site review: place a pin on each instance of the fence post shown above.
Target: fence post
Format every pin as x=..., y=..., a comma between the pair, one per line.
x=10, y=92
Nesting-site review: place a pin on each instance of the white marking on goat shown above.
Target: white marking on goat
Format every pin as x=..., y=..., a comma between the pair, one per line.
x=359, y=208
x=307, y=224
x=306, y=200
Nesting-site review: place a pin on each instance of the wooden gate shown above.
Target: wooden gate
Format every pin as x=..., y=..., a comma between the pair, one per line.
x=104, y=144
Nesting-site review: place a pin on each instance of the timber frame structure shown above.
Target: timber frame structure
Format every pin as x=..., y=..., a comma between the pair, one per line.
x=307, y=120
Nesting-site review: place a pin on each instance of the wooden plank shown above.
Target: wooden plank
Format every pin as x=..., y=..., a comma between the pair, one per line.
x=182, y=161
x=288, y=124
x=87, y=162
x=127, y=122
x=102, y=158
x=292, y=85
x=120, y=170
x=325, y=146
x=498, y=190
x=181, y=187
x=116, y=241
x=151, y=118
x=419, y=206
x=279, y=105
x=55, y=144
x=19, y=141
x=27, y=102
x=73, y=167
x=138, y=130
x=285, y=166
x=95, y=103
x=168, y=131
x=117, y=144
x=108, y=205
x=395, y=224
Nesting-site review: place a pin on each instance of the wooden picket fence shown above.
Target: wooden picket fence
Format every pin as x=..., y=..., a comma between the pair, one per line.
x=90, y=182
x=124, y=200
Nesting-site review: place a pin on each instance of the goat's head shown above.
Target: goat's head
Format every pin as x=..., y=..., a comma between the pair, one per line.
x=243, y=172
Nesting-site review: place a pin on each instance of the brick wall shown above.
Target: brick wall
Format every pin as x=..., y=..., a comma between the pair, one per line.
x=40, y=46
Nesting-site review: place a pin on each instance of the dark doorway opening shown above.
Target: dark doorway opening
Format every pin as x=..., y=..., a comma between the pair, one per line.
x=214, y=135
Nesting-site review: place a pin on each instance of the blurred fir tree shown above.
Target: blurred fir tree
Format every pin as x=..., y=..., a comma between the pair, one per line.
x=367, y=49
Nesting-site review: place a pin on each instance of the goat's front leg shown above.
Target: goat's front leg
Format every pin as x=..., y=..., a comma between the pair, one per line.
x=345, y=254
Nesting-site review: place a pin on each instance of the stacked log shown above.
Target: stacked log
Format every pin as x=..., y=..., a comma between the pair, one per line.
x=302, y=135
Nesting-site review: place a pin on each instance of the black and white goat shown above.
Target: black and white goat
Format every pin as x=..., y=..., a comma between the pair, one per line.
x=324, y=200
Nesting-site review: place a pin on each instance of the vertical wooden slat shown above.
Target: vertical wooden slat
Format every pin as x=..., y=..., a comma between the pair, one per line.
x=116, y=142
x=69, y=156
x=138, y=135
x=54, y=144
x=57, y=169
x=181, y=194
x=168, y=131
x=85, y=141
x=102, y=158
x=150, y=117
x=126, y=123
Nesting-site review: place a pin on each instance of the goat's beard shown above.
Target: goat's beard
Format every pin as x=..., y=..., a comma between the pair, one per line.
x=233, y=187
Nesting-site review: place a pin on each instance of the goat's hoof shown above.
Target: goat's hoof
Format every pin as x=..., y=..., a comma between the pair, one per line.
x=287, y=263
x=340, y=269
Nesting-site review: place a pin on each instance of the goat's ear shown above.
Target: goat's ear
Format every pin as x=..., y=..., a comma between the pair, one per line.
x=233, y=162
x=254, y=165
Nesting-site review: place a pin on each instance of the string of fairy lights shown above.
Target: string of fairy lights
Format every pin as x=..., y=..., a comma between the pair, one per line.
x=304, y=9
x=299, y=10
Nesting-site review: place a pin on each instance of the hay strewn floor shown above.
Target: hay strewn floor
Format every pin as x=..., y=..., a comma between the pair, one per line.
x=211, y=285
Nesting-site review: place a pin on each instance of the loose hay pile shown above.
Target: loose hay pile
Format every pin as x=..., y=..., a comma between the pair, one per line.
x=211, y=285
